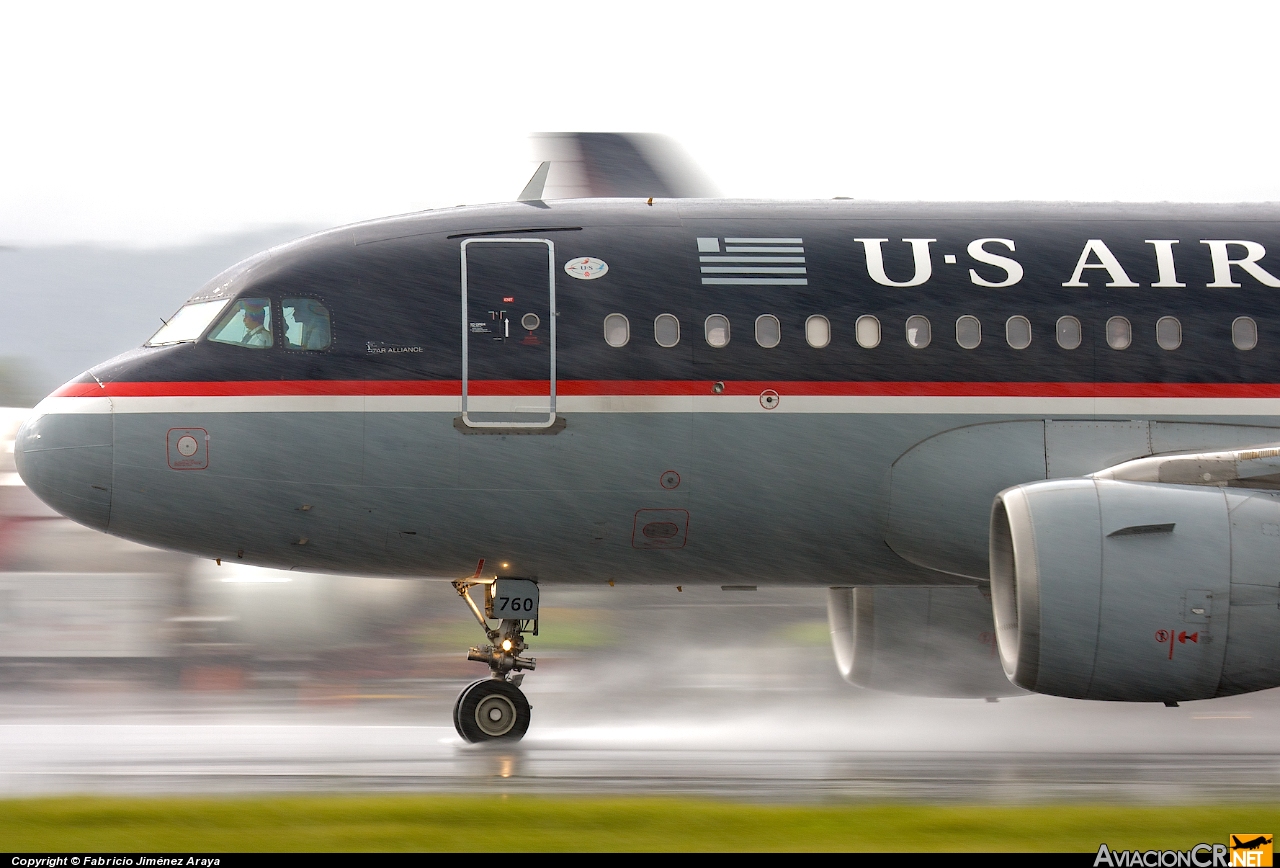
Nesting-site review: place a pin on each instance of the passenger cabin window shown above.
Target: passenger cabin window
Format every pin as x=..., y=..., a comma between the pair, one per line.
x=248, y=324
x=1069, y=332
x=717, y=330
x=617, y=330
x=1119, y=333
x=666, y=330
x=968, y=332
x=867, y=332
x=1168, y=333
x=188, y=323
x=918, y=332
x=1244, y=333
x=1017, y=331
x=306, y=324
x=817, y=331
x=768, y=331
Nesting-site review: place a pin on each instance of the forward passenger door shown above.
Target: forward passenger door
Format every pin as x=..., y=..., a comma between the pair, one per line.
x=508, y=333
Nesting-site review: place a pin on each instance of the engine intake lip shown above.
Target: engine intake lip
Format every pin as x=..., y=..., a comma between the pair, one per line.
x=1015, y=587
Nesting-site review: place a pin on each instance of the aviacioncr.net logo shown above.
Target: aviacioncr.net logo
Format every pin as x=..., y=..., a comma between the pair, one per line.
x=1200, y=856
x=1244, y=851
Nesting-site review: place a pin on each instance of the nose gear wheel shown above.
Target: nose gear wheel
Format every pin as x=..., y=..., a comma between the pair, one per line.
x=491, y=709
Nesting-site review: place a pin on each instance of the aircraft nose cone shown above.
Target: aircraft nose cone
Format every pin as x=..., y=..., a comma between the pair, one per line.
x=65, y=459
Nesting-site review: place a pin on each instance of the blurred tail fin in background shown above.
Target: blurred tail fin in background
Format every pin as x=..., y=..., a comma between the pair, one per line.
x=614, y=165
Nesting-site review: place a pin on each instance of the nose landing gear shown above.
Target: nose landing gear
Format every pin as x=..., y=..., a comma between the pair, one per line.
x=495, y=708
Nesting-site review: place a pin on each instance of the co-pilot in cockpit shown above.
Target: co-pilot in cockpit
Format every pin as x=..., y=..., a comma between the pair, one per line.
x=306, y=324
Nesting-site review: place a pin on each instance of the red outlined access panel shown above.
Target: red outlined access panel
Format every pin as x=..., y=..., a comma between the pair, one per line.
x=660, y=529
x=188, y=448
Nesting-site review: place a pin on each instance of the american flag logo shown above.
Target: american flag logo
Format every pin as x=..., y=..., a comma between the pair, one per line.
x=752, y=261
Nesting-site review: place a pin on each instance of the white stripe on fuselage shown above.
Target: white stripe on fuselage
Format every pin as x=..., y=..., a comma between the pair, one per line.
x=568, y=404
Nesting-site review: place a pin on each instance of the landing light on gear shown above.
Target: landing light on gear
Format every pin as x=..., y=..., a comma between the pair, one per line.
x=495, y=708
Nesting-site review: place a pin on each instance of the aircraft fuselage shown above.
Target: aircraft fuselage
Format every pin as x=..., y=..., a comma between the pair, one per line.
x=766, y=459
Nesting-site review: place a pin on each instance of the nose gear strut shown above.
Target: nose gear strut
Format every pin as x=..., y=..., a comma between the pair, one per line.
x=495, y=707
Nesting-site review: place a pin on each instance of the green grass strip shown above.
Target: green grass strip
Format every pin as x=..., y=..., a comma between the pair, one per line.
x=521, y=823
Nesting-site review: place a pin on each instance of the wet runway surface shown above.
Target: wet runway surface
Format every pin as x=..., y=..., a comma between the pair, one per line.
x=731, y=741
x=741, y=710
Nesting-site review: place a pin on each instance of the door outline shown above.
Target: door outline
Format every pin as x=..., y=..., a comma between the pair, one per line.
x=551, y=306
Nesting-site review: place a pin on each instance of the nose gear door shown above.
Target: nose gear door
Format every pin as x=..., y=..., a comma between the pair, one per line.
x=508, y=333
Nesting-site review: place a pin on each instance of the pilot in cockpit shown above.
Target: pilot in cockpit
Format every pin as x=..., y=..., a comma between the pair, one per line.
x=255, y=331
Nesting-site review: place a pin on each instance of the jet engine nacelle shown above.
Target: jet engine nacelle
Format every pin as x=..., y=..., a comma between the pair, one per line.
x=917, y=641
x=1137, y=591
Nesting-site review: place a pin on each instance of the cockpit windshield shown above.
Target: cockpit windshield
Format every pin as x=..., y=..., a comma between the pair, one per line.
x=188, y=323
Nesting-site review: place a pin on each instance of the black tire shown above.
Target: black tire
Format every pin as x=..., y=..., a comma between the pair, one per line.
x=490, y=710
x=457, y=705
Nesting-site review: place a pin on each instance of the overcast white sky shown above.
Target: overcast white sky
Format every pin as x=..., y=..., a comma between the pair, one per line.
x=157, y=124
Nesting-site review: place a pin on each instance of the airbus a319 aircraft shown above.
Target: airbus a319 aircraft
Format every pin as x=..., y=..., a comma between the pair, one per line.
x=1027, y=447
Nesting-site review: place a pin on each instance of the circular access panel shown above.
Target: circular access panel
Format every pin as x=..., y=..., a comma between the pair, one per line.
x=530, y=321
x=669, y=480
x=187, y=445
x=769, y=399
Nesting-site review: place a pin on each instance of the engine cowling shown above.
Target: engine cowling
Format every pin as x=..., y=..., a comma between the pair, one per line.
x=917, y=641
x=1136, y=591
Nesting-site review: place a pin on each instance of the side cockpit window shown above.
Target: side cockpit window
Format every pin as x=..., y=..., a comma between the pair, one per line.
x=247, y=324
x=306, y=324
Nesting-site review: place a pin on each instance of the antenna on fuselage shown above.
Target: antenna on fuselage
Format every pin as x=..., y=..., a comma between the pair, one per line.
x=532, y=191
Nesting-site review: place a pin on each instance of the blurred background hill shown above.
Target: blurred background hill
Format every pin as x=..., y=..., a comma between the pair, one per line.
x=69, y=307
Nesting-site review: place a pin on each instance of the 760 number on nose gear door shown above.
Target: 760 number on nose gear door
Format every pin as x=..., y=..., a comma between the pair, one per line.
x=512, y=598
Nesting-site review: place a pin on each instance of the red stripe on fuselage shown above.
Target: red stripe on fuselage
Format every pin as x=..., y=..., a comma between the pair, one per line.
x=244, y=388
